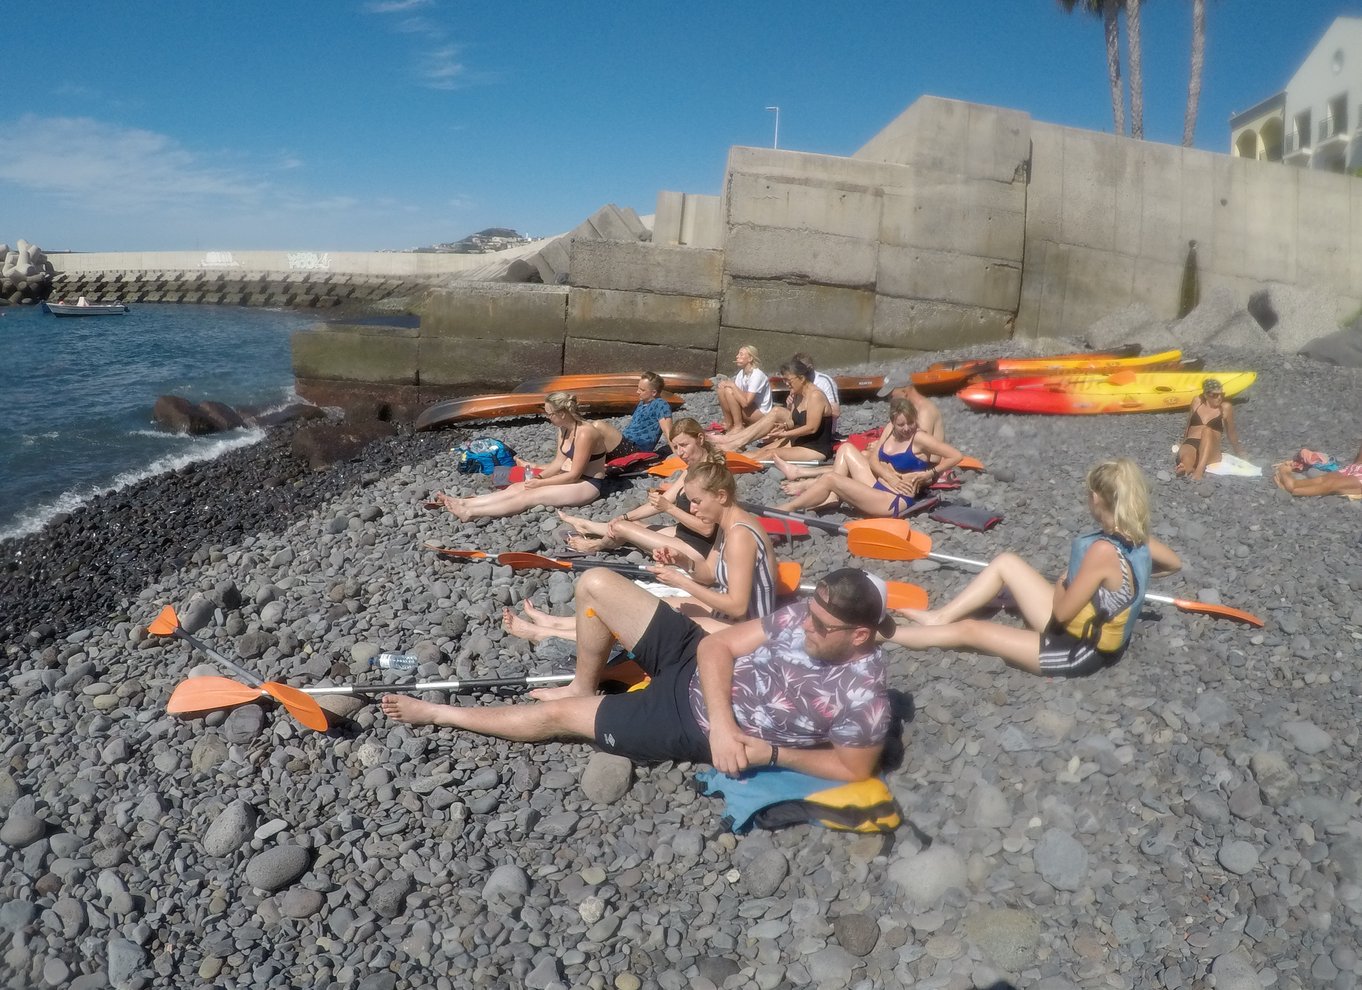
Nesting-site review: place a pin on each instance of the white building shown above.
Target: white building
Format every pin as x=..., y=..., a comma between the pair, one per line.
x=1316, y=122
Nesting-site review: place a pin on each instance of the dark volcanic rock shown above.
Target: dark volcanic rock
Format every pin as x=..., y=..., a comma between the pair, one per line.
x=324, y=444
x=179, y=415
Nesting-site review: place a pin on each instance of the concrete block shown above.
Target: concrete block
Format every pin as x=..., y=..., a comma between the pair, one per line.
x=496, y=311
x=818, y=204
x=610, y=223
x=952, y=136
x=1096, y=283
x=920, y=325
x=1129, y=190
x=1229, y=209
x=348, y=355
x=997, y=144
x=799, y=256
x=1270, y=225
x=587, y=356
x=1088, y=203
x=1158, y=284
x=551, y=260
x=1160, y=234
x=777, y=348
x=1198, y=190
x=802, y=168
x=667, y=216
x=486, y=365
x=702, y=221
x=608, y=314
x=818, y=310
x=1042, y=296
x=914, y=273
x=1322, y=237
x=986, y=219
x=636, y=266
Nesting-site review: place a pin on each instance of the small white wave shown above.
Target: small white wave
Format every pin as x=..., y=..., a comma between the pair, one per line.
x=29, y=439
x=35, y=519
x=160, y=435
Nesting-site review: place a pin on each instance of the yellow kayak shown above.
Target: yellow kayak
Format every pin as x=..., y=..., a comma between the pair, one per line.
x=1120, y=392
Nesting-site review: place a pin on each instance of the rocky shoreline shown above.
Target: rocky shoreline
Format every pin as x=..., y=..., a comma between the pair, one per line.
x=1188, y=818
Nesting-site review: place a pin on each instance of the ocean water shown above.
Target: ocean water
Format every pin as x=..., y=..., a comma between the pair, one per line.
x=76, y=396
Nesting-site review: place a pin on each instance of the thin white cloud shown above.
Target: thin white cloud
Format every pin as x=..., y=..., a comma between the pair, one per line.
x=441, y=69
x=107, y=168
x=395, y=6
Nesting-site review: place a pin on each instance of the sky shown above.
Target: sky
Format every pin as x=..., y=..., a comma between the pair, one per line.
x=358, y=125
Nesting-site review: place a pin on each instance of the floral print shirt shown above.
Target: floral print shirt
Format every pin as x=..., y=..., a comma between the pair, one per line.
x=783, y=696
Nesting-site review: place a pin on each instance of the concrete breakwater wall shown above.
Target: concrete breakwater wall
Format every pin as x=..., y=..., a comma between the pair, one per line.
x=320, y=290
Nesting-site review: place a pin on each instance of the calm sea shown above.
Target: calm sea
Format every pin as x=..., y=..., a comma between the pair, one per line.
x=76, y=396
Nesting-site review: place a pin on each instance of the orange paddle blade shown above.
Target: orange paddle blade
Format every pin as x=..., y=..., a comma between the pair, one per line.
x=1205, y=608
x=787, y=577
x=878, y=544
x=299, y=704
x=526, y=560
x=667, y=467
x=904, y=595
x=459, y=554
x=741, y=463
x=166, y=623
x=900, y=529
x=970, y=464
x=206, y=694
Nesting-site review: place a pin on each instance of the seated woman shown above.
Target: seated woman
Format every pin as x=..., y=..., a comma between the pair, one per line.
x=1210, y=418
x=1083, y=621
x=691, y=535
x=736, y=582
x=651, y=421
x=886, y=479
x=1347, y=480
x=809, y=435
x=575, y=476
x=745, y=397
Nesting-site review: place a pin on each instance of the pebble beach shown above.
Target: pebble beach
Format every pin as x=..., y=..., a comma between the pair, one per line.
x=1191, y=817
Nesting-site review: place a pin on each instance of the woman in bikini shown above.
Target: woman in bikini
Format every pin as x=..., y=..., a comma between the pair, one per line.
x=1210, y=418
x=690, y=535
x=575, y=476
x=1080, y=623
x=887, y=478
x=736, y=582
x=1347, y=480
x=809, y=435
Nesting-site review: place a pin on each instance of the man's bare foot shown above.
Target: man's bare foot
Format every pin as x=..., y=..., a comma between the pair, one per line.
x=517, y=626
x=547, y=619
x=562, y=693
x=413, y=711
x=921, y=616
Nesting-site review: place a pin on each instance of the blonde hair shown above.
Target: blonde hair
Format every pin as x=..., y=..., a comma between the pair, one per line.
x=751, y=349
x=899, y=406
x=561, y=402
x=1122, y=487
x=692, y=428
x=714, y=477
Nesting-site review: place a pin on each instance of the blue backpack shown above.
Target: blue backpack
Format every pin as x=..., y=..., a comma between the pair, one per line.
x=483, y=456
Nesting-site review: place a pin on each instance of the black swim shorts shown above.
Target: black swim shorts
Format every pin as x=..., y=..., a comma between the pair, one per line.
x=657, y=723
x=1063, y=654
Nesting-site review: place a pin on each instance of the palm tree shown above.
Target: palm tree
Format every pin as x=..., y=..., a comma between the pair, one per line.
x=1194, y=80
x=1108, y=10
x=1136, y=58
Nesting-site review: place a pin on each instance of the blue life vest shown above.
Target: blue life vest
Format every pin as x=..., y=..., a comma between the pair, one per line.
x=1141, y=566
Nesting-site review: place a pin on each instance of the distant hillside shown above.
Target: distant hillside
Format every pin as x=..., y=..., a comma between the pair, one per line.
x=484, y=241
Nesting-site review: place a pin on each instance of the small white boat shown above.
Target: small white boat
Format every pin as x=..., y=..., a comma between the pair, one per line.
x=89, y=309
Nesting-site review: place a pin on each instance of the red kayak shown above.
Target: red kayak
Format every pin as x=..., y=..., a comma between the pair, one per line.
x=944, y=378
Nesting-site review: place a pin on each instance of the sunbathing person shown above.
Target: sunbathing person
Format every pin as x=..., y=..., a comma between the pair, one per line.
x=1210, y=417
x=575, y=476
x=745, y=397
x=650, y=422
x=1347, y=480
x=737, y=581
x=691, y=535
x=779, y=416
x=900, y=385
x=1082, y=622
x=804, y=688
x=886, y=479
x=809, y=435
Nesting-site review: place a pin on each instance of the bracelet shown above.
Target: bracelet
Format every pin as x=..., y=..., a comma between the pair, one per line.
x=775, y=755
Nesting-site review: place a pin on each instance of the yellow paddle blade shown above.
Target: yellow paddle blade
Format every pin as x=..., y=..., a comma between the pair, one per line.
x=788, y=573
x=904, y=595
x=300, y=705
x=166, y=623
x=206, y=694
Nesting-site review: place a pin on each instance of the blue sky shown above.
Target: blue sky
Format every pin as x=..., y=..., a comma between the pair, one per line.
x=351, y=125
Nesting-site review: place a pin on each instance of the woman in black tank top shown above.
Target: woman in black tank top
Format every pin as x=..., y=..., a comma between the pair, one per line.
x=809, y=437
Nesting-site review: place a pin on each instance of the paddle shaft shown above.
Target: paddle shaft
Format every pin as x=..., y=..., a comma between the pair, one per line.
x=465, y=684
x=235, y=668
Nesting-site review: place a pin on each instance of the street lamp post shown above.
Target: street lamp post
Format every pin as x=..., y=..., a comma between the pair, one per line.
x=775, y=141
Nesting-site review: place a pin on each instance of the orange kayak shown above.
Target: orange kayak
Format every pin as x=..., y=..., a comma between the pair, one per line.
x=472, y=408
x=675, y=382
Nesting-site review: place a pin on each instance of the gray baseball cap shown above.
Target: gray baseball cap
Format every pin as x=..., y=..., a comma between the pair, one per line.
x=897, y=379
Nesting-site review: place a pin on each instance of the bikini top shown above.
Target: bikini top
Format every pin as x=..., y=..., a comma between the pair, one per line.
x=905, y=460
x=1218, y=423
x=571, y=440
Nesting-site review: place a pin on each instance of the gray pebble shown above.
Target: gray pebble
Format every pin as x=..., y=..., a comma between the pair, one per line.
x=607, y=778
x=276, y=868
x=927, y=875
x=766, y=872
x=1237, y=856
x=505, y=889
x=857, y=933
x=230, y=830
x=1061, y=860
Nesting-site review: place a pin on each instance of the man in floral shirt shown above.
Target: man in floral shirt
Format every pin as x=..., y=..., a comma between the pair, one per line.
x=804, y=687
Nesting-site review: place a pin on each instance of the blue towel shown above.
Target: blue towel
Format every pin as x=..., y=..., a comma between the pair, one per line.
x=774, y=797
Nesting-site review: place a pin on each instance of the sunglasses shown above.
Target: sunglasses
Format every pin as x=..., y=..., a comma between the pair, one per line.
x=823, y=628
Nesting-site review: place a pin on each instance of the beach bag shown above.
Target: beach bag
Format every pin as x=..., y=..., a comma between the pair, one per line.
x=483, y=456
